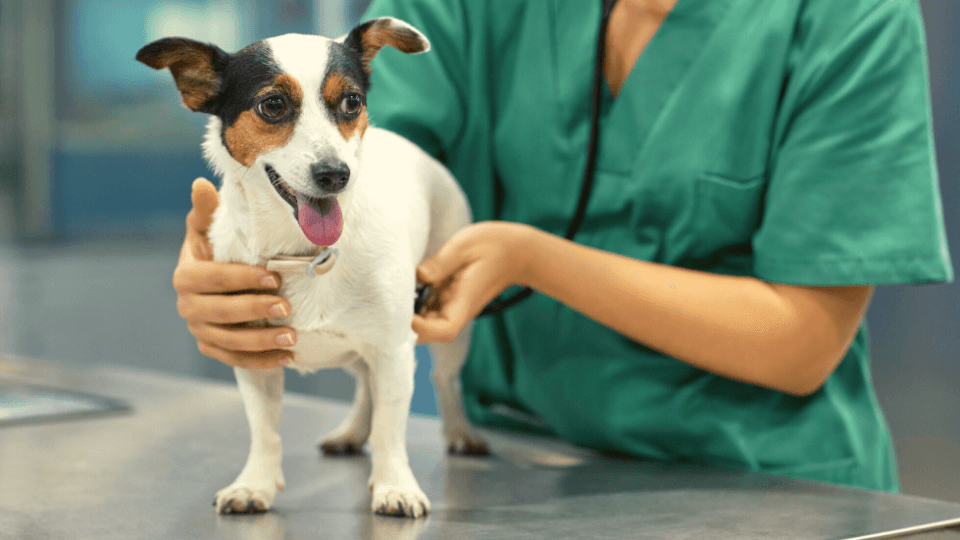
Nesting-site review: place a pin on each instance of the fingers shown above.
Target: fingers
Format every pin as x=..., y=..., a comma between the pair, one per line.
x=254, y=348
x=203, y=300
x=205, y=200
x=208, y=277
x=435, y=270
x=209, y=318
x=458, y=305
x=247, y=360
x=463, y=281
x=443, y=326
x=243, y=339
x=441, y=266
x=231, y=309
x=432, y=328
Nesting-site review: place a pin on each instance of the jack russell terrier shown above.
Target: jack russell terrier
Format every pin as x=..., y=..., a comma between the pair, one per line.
x=344, y=212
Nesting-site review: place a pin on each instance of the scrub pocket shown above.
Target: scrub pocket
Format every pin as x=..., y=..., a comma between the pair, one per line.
x=727, y=213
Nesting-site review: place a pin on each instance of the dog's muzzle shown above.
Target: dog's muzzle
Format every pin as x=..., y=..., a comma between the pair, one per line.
x=320, y=218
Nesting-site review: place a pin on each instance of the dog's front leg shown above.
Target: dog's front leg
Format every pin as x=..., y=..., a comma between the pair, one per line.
x=395, y=490
x=258, y=482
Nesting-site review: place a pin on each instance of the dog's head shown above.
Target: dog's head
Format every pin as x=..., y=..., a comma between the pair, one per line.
x=293, y=106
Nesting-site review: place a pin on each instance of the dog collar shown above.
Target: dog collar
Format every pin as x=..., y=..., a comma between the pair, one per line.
x=307, y=264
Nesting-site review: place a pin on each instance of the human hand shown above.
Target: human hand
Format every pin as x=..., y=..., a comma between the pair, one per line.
x=217, y=298
x=471, y=269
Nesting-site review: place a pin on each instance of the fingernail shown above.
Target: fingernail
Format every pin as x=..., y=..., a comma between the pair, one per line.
x=284, y=360
x=285, y=339
x=278, y=310
x=269, y=281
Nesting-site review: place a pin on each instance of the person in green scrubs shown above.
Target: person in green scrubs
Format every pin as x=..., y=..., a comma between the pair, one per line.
x=761, y=167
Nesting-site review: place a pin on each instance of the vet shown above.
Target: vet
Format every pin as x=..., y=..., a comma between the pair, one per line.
x=761, y=166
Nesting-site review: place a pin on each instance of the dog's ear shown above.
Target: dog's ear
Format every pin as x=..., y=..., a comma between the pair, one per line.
x=369, y=37
x=196, y=67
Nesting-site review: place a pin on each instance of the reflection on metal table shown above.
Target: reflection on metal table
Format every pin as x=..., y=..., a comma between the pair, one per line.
x=151, y=472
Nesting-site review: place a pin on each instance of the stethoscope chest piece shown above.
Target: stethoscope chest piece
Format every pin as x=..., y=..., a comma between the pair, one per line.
x=421, y=298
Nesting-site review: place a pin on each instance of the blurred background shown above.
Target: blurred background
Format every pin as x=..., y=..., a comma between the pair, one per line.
x=97, y=157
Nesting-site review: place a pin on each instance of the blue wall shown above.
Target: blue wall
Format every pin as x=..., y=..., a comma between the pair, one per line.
x=116, y=191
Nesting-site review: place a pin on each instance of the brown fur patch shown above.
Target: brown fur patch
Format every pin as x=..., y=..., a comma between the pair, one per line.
x=192, y=68
x=357, y=126
x=333, y=89
x=250, y=136
x=289, y=86
x=383, y=33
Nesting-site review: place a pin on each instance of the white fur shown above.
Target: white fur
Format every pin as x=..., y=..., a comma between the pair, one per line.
x=399, y=207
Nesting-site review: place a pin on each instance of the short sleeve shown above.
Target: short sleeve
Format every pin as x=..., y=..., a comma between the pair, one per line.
x=420, y=96
x=853, y=195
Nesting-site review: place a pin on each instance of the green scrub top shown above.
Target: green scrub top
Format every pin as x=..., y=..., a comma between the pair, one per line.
x=787, y=140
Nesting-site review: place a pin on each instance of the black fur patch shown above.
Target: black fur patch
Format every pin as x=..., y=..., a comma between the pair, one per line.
x=346, y=62
x=351, y=53
x=353, y=38
x=196, y=67
x=248, y=71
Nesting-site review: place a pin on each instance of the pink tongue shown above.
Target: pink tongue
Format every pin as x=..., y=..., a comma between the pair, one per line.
x=321, y=221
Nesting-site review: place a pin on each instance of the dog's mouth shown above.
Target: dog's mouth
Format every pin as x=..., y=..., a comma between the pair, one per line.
x=282, y=188
x=320, y=219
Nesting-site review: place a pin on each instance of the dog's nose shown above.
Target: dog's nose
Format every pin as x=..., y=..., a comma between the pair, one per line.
x=330, y=177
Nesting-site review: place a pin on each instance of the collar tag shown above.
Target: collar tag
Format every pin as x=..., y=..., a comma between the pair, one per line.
x=309, y=265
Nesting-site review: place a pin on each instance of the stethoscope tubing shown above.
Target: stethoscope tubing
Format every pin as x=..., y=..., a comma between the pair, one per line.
x=500, y=304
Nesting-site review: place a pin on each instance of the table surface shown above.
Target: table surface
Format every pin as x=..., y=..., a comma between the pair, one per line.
x=151, y=472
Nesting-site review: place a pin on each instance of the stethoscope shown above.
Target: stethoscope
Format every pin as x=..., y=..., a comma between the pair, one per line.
x=500, y=304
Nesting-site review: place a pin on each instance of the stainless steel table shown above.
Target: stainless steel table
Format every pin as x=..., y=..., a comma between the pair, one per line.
x=152, y=472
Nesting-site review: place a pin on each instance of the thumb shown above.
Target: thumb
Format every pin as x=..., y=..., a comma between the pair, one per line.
x=438, y=268
x=205, y=200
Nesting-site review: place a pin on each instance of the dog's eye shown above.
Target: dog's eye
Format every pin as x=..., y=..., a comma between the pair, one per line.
x=272, y=108
x=351, y=105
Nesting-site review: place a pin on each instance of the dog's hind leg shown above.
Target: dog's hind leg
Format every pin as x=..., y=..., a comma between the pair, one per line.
x=448, y=359
x=395, y=490
x=348, y=439
x=258, y=482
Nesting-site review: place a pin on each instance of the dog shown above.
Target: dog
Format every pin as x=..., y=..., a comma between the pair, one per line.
x=306, y=178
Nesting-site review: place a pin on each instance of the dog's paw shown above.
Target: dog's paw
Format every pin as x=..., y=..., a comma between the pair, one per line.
x=392, y=501
x=240, y=499
x=467, y=444
x=341, y=448
x=342, y=442
x=346, y=440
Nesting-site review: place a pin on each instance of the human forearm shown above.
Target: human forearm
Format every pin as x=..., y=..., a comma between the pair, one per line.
x=788, y=338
